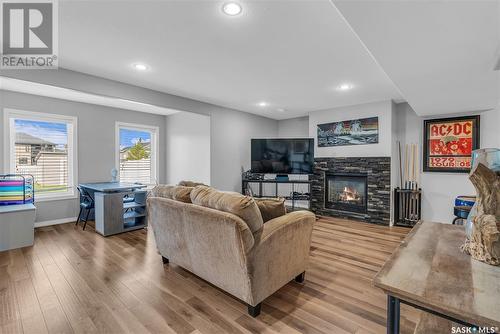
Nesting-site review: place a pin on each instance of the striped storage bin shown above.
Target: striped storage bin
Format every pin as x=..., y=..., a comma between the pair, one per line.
x=16, y=189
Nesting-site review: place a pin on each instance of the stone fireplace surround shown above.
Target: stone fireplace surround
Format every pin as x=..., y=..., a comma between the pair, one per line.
x=378, y=172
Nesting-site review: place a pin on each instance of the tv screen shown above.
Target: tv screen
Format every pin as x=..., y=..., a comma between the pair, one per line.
x=283, y=156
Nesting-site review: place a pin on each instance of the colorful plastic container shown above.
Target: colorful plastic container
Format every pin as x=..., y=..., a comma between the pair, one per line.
x=16, y=189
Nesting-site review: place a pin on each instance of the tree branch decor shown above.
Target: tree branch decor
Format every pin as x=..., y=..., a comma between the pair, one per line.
x=484, y=244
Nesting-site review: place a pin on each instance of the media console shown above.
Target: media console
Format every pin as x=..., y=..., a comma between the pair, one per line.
x=293, y=188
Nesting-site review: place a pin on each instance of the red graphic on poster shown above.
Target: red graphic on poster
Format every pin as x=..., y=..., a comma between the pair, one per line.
x=450, y=144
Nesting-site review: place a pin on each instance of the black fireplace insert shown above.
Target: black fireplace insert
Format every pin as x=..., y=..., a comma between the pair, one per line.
x=346, y=192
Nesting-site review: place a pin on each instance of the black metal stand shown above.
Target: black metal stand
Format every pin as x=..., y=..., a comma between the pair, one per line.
x=393, y=310
x=293, y=197
x=393, y=314
x=407, y=206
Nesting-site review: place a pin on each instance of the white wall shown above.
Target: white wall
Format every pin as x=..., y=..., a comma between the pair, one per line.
x=294, y=127
x=188, y=147
x=440, y=189
x=490, y=128
x=381, y=109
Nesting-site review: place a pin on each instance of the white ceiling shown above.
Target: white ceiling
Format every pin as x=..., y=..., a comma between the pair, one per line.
x=291, y=54
x=440, y=54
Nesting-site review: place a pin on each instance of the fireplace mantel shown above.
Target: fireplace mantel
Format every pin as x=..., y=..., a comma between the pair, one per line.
x=378, y=184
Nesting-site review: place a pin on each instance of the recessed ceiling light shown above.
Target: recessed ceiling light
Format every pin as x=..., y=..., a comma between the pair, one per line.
x=140, y=66
x=263, y=104
x=344, y=87
x=232, y=8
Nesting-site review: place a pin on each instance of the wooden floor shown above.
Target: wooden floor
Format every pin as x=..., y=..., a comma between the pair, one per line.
x=78, y=281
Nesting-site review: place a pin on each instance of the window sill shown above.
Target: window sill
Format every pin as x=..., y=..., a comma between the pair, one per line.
x=54, y=198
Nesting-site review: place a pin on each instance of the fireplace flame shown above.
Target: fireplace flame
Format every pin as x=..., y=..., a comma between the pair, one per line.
x=350, y=194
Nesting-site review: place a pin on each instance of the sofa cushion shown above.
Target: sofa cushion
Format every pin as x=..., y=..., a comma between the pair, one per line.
x=178, y=193
x=235, y=203
x=271, y=208
x=191, y=184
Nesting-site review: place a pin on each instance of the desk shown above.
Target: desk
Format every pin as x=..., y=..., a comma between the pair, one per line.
x=119, y=207
x=429, y=272
x=111, y=186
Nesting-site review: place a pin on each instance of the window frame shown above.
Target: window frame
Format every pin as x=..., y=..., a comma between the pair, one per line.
x=9, y=148
x=155, y=134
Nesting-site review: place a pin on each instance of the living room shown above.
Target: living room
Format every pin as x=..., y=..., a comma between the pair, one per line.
x=250, y=166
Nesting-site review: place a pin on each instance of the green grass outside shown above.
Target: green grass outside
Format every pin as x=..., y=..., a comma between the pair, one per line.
x=50, y=188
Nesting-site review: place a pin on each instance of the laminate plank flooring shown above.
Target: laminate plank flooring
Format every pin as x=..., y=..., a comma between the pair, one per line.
x=75, y=281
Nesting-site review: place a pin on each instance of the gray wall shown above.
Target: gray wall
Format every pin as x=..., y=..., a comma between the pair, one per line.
x=230, y=144
x=294, y=127
x=96, y=141
x=231, y=130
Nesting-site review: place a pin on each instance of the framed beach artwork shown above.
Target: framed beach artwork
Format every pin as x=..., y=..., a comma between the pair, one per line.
x=353, y=132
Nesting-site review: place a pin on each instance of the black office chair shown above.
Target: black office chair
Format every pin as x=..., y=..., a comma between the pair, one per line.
x=86, y=203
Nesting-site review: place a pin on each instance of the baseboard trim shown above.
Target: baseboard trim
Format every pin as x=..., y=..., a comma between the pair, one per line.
x=56, y=222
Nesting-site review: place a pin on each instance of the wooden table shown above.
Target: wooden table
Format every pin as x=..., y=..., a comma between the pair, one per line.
x=429, y=272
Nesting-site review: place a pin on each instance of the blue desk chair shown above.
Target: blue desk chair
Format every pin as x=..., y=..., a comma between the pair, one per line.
x=86, y=203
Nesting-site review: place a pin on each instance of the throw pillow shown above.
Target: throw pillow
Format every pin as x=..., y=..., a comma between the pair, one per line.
x=271, y=208
x=235, y=203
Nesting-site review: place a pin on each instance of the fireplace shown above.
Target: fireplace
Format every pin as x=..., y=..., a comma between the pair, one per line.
x=346, y=192
x=371, y=203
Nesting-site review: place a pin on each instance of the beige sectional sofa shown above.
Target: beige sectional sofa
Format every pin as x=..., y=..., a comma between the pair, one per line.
x=223, y=238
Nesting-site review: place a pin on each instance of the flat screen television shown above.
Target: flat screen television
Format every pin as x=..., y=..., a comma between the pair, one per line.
x=283, y=156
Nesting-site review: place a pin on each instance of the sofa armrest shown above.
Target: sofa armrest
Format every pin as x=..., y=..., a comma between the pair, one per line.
x=280, y=252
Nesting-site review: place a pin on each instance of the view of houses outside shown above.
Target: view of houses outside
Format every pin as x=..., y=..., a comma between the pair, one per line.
x=135, y=156
x=41, y=150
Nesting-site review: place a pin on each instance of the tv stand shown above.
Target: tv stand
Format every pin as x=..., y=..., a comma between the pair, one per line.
x=292, y=197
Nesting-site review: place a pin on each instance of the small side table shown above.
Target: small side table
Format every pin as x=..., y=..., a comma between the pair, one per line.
x=17, y=226
x=429, y=272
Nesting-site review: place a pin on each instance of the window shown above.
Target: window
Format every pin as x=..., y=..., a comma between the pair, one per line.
x=42, y=145
x=137, y=153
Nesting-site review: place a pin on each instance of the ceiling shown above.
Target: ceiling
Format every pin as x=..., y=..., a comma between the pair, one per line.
x=290, y=54
x=440, y=54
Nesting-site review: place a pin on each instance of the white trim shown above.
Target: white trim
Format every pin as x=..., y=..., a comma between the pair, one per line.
x=56, y=222
x=52, y=197
x=62, y=93
x=155, y=135
x=72, y=125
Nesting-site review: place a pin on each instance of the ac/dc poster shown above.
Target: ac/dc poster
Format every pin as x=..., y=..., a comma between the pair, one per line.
x=449, y=142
